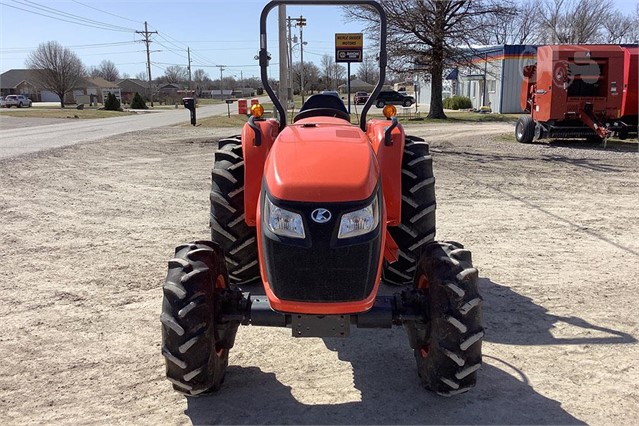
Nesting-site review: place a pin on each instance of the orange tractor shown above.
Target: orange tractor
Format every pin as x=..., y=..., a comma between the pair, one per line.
x=580, y=91
x=320, y=212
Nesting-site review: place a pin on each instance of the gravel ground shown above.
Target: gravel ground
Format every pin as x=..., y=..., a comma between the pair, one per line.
x=87, y=231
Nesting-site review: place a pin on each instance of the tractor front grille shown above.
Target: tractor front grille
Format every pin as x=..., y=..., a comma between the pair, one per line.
x=321, y=268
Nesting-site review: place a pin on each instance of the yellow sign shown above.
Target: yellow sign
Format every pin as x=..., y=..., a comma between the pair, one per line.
x=349, y=47
x=349, y=40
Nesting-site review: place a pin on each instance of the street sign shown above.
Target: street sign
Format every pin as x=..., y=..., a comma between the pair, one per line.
x=348, y=47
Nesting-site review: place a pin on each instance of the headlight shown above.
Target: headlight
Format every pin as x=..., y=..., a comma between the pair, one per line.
x=359, y=222
x=283, y=222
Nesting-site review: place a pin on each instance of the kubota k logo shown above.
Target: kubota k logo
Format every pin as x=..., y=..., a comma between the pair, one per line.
x=321, y=215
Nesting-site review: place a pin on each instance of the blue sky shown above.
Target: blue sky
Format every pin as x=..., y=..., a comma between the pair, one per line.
x=218, y=32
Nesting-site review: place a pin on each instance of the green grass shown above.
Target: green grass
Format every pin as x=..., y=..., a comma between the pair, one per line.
x=505, y=137
x=62, y=113
x=202, y=101
x=453, y=118
x=234, y=120
x=613, y=144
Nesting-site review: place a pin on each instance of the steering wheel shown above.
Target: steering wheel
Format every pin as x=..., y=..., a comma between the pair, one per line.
x=325, y=112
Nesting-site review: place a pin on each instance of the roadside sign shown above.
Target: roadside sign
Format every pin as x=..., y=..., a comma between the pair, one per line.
x=348, y=47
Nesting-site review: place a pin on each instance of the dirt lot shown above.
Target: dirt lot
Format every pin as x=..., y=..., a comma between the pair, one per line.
x=87, y=230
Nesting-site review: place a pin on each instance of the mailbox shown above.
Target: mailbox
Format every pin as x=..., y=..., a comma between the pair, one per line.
x=189, y=103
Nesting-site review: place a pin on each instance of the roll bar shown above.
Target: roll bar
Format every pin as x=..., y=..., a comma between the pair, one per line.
x=264, y=57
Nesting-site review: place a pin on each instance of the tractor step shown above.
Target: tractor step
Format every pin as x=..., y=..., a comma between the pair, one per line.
x=402, y=307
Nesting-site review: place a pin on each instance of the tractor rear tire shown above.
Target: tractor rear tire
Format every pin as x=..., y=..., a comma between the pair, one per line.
x=448, y=351
x=195, y=343
x=228, y=227
x=525, y=129
x=417, y=227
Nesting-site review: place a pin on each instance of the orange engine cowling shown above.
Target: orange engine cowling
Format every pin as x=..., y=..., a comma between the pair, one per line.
x=321, y=221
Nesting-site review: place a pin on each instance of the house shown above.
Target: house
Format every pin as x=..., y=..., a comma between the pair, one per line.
x=216, y=93
x=492, y=77
x=18, y=82
x=357, y=85
x=96, y=87
x=408, y=87
x=130, y=86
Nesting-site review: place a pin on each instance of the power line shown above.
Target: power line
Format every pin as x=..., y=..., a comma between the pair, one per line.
x=64, y=16
x=108, y=13
x=77, y=46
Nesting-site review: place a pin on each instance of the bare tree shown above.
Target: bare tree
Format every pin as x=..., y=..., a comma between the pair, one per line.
x=311, y=76
x=56, y=68
x=108, y=70
x=93, y=71
x=422, y=34
x=200, y=76
x=330, y=72
x=368, y=70
x=175, y=74
x=619, y=28
x=142, y=75
x=574, y=21
x=519, y=25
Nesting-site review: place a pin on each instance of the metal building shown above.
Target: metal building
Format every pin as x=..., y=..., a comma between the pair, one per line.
x=491, y=76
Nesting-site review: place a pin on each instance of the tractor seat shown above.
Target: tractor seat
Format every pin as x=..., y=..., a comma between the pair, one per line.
x=323, y=105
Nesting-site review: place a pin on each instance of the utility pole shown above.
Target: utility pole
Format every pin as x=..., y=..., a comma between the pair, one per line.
x=301, y=22
x=188, y=52
x=289, y=60
x=283, y=91
x=147, y=41
x=222, y=68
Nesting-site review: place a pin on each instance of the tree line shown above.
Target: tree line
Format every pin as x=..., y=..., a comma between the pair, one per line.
x=424, y=38
x=427, y=36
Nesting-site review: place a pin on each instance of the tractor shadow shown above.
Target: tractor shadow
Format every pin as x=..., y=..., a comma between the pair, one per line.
x=513, y=319
x=383, y=369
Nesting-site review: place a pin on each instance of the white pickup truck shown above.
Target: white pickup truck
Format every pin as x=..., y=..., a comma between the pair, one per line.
x=17, y=101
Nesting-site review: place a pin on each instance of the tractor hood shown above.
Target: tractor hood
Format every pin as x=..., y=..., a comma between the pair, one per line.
x=321, y=159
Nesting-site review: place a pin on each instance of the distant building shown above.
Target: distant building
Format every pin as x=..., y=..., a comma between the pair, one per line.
x=129, y=87
x=492, y=78
x=18, y=82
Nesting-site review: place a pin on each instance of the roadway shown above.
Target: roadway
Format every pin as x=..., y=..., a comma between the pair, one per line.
x=25, y=140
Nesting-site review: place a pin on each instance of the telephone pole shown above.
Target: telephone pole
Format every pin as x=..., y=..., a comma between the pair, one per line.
x=301, y=22
x=147, y=40
x=289, y=62
x=188, y=52
x=283, y=89
x=222, y=68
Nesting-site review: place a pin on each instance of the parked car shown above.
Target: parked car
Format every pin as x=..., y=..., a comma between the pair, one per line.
x=2, y=102
x=360, y=98
x=330, y=92
x=391, y=97
x=17, y=101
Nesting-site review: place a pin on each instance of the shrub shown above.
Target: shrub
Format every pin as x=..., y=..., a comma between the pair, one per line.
x=458, y=102
x=112, y=103
x=138, y=102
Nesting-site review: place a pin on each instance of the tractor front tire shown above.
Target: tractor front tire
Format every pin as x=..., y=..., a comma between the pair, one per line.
x=417, y=227
x=525, y=129
x=448, y=351
x=228, y=227
x=195, y=343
